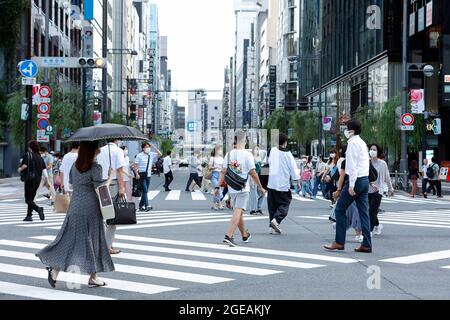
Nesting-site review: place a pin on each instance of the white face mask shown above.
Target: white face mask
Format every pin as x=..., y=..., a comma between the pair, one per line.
x=373, y=154
x=348, y=134
x=147, y=150
x=125, y=152
x=332, y=155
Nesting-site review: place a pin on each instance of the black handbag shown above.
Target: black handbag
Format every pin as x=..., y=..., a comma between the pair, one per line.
x=234, y=180
x=137, y=188
x=29, y=173
x=125, y=212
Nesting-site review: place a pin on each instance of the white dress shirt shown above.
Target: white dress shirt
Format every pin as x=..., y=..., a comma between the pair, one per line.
x=357, y=160
x=111, y=156
x=67, y=162
x=282, y=168
x=167, y=164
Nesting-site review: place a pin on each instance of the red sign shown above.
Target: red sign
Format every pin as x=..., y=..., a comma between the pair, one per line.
x=43, y=123
x=44, y=108
x=446, y=164
x=45, y=91
x=407, y=119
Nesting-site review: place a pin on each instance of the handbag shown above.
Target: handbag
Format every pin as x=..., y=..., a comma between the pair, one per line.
x=125, y=212
x=29, y=173
x=234, y=180
x=62, y=202
x=137, y=188
x=106, y=203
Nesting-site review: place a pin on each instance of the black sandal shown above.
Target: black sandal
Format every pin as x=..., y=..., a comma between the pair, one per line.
x=50, y=278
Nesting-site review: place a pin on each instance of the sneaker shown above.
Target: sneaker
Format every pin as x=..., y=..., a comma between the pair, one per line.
x=142, y=209
x=253, y=213
x=359, y=238
x=229, y=241
x=148, y=208
x=272, y=231
x=46, y=195
x=260, y=212
x=275, y=225
x=378, y=229
x=28, y=219
x=41, y=214
x=246, y=239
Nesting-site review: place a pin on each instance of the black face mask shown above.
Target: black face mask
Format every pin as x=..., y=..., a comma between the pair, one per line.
x=283, y=149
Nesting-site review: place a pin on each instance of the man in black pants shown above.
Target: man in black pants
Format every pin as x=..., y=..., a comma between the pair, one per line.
x=31, y=168
x=193, y=176
x=282, y=168
x=167, y=169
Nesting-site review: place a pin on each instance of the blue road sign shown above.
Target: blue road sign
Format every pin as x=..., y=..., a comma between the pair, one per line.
x=191, y=126
x=28, y=69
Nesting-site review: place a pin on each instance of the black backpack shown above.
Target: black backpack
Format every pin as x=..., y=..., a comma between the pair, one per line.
x=430, y=172
x=373, y=173
x=29, y=173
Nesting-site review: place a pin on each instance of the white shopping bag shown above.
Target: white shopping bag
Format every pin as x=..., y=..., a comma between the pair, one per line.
x=106, y=204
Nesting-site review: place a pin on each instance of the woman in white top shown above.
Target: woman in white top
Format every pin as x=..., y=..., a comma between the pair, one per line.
x=216, y=164
x=127, y=176
x=331, y=170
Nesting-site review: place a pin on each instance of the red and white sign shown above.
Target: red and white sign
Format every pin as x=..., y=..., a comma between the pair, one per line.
x=417, y=99
x=44, y=108
x=447, y=78
x=41, y=136
x=407, y=119
x=45, y=91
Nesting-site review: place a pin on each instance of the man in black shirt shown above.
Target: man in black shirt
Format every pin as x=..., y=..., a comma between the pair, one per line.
x=31, y=168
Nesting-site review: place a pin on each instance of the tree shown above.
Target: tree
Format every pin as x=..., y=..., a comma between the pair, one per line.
x=117, y=118
x=305, y=125
x=369, y=119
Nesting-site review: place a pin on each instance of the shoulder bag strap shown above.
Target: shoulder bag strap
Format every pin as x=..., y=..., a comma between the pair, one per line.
x=109, y=152
x=148, y=162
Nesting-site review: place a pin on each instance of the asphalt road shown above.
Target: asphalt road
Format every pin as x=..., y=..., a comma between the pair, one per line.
x=175, y=252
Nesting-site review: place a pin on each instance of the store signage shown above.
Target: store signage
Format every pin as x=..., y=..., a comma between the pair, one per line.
x=417, y=99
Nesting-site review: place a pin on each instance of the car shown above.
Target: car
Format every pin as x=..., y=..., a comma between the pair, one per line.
x=184, y=163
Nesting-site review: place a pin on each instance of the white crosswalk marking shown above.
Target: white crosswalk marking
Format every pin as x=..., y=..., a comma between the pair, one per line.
x=152, y=194
x=419, y=258
x=198, y=196
x=44, y=293
x=420, y=218
x=174, y=195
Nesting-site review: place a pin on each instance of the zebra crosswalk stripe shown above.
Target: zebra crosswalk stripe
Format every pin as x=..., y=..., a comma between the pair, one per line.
x=419, y=258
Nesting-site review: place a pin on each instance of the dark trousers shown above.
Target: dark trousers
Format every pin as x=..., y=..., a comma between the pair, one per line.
x=362, y=202
x=436, y=185
x=193, y=177
x=169, y=179
x=31, y=187
x=145, y=183
x=278, y=203
x=374, y=205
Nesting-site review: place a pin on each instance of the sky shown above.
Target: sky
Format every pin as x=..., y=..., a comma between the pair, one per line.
x=200, y=42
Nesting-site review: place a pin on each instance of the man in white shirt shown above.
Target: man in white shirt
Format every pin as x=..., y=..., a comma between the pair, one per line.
x=242, y=163
x=66, y=165
x=282, y=168
x=143, y=170
x=167, y=169
x=355, y=189
x=112, y=156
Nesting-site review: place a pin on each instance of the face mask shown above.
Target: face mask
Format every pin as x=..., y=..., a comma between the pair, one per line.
x=348, y=134
x=373, y=154
x=332, y=155
x=147, y=150
x=304, y=160
x=125, y=152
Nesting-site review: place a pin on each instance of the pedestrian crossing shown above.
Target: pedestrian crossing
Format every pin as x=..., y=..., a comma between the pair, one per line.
x=147, y=266
x=419, y=218
x=397, y=199
x=422, y=258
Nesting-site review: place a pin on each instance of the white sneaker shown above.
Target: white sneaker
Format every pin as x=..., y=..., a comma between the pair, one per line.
x=378, y=229
x=359, y=238
x=275, y=226
x=272, y=231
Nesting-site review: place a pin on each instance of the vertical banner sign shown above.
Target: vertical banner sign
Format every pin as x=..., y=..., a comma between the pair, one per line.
x=421, y=20
x=327, y=121
x=88, y=10
x=446, y=68
x=429, y=21
x=272, y=88
x=412, y=24
x=417, y=99
x=88, y=41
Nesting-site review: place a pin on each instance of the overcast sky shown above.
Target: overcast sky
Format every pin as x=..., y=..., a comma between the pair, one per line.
x=200, y=42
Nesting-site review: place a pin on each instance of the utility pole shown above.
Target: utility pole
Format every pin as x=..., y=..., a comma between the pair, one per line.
x=285, y=106
x=83, y=83
x=105, y=55
x=26, y=40
x=127, y=106
x=404, y=151
x=47, y=35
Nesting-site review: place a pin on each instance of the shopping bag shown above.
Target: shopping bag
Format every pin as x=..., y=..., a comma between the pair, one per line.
x=125, y=212
x=62, y=202
x=106, y=203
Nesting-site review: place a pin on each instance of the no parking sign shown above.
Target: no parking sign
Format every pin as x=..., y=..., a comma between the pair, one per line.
x=43, y=123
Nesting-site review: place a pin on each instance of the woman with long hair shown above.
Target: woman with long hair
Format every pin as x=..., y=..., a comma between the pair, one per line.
x=331, y=175
x=216, y=164
x=81, y=244
x=414, y=175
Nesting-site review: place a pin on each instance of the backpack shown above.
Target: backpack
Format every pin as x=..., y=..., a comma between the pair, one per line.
x=30, y=173
x=373, y=173
x=334, y=173
x=430, y=172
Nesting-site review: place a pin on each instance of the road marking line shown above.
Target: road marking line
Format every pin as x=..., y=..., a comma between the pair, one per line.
x=301, y=198
x=414, y=220
x=198, y=196
x=152, y=194
x=164, y=260
x=45, y=294
x=418, y=258
x=238, y=249
x=122, y=285
x=11, y=200
x=151, y=272
x=173, y=195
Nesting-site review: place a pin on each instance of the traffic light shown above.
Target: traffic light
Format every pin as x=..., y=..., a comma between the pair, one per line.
x=437, y=130
x=84, y=62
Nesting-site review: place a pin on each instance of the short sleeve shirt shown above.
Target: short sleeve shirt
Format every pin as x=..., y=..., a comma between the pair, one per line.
x=111, y=155
x=142, y=159
x=166, y=164
x=241, y=162
x=66, y=165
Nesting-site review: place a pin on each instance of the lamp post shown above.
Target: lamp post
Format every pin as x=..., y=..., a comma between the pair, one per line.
x=404, y=151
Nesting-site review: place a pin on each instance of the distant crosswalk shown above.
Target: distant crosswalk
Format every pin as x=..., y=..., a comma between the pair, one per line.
x=397, y=199
x=437, y=256
x=148, y=266
x=419, y=218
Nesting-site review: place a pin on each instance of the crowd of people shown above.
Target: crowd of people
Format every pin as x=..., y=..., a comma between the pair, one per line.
x=354, y=179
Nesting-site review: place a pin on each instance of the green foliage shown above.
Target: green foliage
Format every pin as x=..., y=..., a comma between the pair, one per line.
x=13, y=110
x=117, y=118
x=306, y=127
x=165, y=145
x=369, y=119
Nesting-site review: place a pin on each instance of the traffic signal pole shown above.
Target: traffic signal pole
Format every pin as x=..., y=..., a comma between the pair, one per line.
x=26, y=24
x=83, y=72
